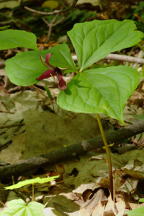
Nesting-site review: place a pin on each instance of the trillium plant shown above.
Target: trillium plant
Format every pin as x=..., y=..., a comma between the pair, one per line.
x=93, y=89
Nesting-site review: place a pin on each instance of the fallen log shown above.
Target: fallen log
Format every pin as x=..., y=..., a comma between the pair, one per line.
x=29, y=166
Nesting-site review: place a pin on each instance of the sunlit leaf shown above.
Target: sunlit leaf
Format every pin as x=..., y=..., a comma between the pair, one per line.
x=96, y=39
x=61, y=57
x=31, y=181
x=17, y=38
x=136, y=212
x=20, y=208
x=102, y=90
x=24, y=68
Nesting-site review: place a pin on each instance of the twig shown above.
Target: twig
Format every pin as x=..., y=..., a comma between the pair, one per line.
x=121, y=58
x=52, y=24
x=31, y=165
x=125, y=58
x=43, y=12
x=140, y=55
x=52, y=12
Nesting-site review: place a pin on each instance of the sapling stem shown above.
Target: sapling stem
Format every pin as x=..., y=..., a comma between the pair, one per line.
x=108, y=153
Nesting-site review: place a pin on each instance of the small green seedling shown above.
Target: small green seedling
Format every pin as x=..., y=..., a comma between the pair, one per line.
x=19, y=207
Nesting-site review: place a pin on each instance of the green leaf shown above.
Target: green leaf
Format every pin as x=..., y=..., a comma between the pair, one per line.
x=31, y=181
x=17, y=38
x=20, y=208
x=100, y=90
x=136, y=212
x=61, y=57
x=96, y=39
x=24, y=68
x=141, y=200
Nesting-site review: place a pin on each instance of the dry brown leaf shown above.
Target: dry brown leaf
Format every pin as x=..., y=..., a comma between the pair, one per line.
x=110, y=209
x=93, y=204
x=99, y=210
x=120, y=204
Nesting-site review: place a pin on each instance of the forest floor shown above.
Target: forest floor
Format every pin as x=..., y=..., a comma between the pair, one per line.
x=32, y=125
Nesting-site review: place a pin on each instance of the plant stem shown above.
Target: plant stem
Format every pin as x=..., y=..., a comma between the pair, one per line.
x=33, y=193
x=108, y=153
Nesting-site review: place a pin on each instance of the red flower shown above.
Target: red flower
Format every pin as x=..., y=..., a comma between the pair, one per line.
x=62, y=83
x=46, y=74
x=53, y=71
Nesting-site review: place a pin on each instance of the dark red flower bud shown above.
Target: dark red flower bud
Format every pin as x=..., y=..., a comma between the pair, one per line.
x=53, y=71
x=62, y=83
x=46, y=74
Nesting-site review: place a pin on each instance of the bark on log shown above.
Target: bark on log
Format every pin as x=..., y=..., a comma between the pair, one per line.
x=31, y=165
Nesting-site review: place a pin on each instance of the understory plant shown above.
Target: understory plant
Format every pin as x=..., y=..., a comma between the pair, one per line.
x=21, y=208
x=93, y=89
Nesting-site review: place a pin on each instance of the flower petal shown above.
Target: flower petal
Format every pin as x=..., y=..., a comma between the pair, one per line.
x=62, y=83
x=47, y=74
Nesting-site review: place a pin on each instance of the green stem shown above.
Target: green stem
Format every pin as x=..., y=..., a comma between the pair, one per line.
x=33, y=193
x=108, y=153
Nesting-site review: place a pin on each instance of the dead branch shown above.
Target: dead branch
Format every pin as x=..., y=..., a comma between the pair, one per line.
x=50, y=25
x=121, y=58
x=43, y=12
x=125, y=58
x=31, y=165
x=52, y=12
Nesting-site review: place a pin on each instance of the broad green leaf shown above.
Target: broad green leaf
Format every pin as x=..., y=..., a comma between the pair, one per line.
x=61, y=57
x=136, y=212
x=17, y=38
x=31, y=181
x=101, y=90
x=96, y=39
x=24, y=68
x=20, y=208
